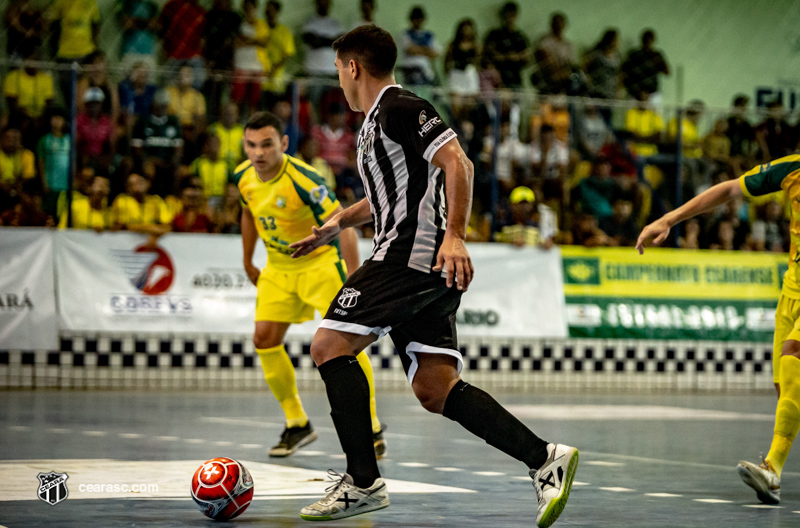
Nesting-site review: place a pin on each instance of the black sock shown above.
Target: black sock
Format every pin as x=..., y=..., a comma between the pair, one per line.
x=481, y=415
x=348, y=394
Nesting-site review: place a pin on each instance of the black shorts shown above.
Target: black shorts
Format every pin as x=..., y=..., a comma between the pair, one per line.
x=417, y=309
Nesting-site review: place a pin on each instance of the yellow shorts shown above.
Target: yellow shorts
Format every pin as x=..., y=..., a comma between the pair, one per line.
x=787, y=326
x=293, y=297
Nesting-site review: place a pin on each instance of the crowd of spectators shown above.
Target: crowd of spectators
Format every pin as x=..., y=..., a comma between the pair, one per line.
x=590, y=162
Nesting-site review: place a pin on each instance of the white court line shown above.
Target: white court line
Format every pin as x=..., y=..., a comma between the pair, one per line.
x=309, y=453
x=578, y=483
x=713, y=501
x=223, y=443
x=95, y=433
x=130, y=435
x=765, y=507
x=195, y=441
x=662, y=461
x=167, y=438
x=452, y=470
x=340, y=457
x=488, y=473
x=58, y=430
x=603, y=463
x=413, y=464
x=251, y=446
x=19, y=428
x=618, y=489
x=663, y=495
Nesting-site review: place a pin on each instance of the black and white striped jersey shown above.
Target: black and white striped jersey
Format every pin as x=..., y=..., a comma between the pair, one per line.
x=406, y=192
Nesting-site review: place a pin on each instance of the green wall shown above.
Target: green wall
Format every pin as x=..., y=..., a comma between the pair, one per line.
x=717, y=47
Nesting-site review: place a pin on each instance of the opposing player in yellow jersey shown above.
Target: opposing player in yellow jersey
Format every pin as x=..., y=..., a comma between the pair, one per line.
x=282, y=199
x=781, y=174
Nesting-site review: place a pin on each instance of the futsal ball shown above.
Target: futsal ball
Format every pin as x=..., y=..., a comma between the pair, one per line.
x=222, y=488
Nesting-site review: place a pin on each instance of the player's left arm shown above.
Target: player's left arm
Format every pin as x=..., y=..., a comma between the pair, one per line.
x=453, y=254
x=348, y=240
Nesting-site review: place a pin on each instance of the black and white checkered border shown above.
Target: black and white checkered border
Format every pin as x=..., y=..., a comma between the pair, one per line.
x=195, y=361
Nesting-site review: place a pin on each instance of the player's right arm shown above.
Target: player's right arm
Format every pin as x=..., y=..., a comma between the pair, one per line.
x=705, y=201
x=355, y=215
x=249, y=239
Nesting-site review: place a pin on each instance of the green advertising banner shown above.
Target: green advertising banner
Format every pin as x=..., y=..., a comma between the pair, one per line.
x=671, y=294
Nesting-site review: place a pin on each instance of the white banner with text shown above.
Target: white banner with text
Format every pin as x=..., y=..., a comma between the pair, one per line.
x=27, y=295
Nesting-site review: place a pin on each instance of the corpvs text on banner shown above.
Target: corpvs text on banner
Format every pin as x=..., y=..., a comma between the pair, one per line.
x=27, y=294
x=672, y=294
x=192, y=283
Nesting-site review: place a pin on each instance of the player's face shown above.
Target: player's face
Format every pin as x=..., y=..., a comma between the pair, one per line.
x=264, y=148
x=348, y=84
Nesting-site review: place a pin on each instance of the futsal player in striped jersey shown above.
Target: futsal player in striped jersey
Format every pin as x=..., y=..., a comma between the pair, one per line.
x=282, y=198
x=418, y=183
x=780, y=174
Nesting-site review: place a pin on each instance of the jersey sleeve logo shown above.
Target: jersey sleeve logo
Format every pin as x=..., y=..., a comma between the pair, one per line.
x=422, y=117
x=318, y=194
x=429, y=125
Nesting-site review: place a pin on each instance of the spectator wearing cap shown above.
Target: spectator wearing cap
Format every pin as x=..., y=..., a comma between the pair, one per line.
x=53, y=152
x=96, y=75
x=335, y=141
x=507, y=48
x=526, y=223
x=182, y=26
x=157, y=140
x=420, y=48
x=95, y=131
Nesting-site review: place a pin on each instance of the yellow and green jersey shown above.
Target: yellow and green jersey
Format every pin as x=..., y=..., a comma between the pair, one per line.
x=780, y=174
x=285, y=208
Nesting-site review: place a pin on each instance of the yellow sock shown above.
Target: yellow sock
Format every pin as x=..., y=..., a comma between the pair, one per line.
x=787, y=415
x=363, y=360
x=279, y=373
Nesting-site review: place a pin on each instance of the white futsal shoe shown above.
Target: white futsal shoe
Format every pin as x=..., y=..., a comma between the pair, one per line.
x=553, y=482
x=763, y=479
x=345, y=500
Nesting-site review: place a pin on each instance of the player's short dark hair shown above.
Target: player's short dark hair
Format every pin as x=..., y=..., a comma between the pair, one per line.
x=648, y=35
x=416, y=13
x=261, y=120
x=370, y=46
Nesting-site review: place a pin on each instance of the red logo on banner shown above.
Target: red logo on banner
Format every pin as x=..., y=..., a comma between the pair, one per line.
x=155, y=278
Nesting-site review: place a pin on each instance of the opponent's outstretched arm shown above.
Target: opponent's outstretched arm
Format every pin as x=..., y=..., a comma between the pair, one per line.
x=353, y=216
x=705, y=201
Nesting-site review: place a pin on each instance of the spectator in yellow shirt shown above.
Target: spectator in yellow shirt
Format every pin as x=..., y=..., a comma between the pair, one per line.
x=91, y=212
x=645, y=126
x=28, y=90
x=16, y=162
x=212, y=171
x=230, y=134
x=78, y=26
x=280, y=48
x=139, y=211
x=186, y=102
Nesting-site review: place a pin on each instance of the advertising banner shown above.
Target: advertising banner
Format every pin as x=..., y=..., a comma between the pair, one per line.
x=27, y=294
x=672, y=294
x=192, y=283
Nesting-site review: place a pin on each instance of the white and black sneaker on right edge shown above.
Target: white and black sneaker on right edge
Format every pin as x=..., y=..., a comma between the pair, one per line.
x=344, y=499
x=763, y=479
x=553, y=482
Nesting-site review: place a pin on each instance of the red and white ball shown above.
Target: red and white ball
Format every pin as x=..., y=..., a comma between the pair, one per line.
x=222, y=488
